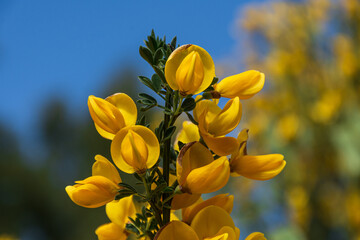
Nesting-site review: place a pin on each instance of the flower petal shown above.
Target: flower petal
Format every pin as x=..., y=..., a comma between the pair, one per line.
x=263, y=167
x=118, y=211
x=104, y=167
x=243, y=85
x=126, y=106
x=176, y=230
x=208, y=178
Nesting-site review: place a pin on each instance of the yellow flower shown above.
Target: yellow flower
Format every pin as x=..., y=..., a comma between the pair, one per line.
x=118, y=212
x=262, y=167
x=243, y=85
x=256, y=236
x=215, y=123
x=99, y=189
x=198, y=172
x=92, y=192
x=224, y=201
x=188, y=133
x=135, y=149
x=189, y=69
x=112, y=114
x=179, y=200
x=211, y=223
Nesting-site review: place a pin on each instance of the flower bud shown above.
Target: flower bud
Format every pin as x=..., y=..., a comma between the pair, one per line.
x=198, y=172
x=135, y=149
x=92, y=192
x=112, y=114
x=189, y=69
x=243, y=85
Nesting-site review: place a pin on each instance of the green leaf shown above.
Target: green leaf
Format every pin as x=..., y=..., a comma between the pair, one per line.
x=146, y=81
x=169, y=132
x=191, y=118
x=131, y=228
x=188, y=104
x=123, y=193
x=168, y=190
x=215, y=80
x=158, y=55
x=145, y=96
x=173, y=43
x=160, y=72
x=156, y=83
x=127, y=186
x=146, y=54
x=141, y=121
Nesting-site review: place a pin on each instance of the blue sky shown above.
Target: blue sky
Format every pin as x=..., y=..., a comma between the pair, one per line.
x=67, y=48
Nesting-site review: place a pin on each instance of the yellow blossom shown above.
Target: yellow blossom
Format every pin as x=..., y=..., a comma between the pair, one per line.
x=92, y=192
x=118, y=212
x=215, y=123
x=243, y=85
x=99, y=189
x=189, y=69
x=256, y=236
x=188, y=133
x=224, y=201
x=262, y=167
x=211, y=223
x=112, y=114
x=198, y=172
x=135, y=149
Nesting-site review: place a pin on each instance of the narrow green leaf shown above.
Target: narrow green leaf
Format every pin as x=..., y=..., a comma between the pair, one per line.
x=169, y=132
x=191, y=118
x=148, y=97
x=188, y=104
x=156, y=82
x=146, y=54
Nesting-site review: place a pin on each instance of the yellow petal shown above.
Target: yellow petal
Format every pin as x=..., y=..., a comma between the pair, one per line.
x=222, y=146
x=118, y=211
x=208, y=178
x=210, y=220
x=176, y=230
x=188, y=133
x=224, y=201
x=243, y=85
x=189, y=69
x=229, y=232
x=192, y=155
x=256, y=236
x=92, y=192
x=126, y=106
x=105, y=115
x=263, y=167
x=226, y=120
x=111, y=231
x=104, y=167
x=134, y=149
x=184, y=200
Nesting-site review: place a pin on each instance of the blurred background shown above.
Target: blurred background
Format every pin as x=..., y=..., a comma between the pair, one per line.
x=53, y=55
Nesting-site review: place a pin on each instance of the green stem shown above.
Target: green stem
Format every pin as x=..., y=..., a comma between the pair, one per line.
x=153, y=206
x=166, y=157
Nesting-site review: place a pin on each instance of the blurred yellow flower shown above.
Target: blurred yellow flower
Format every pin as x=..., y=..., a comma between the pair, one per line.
x=135, y=149
x=198, y=172
x=189, y=69
x=243, y=85
x=112, y=114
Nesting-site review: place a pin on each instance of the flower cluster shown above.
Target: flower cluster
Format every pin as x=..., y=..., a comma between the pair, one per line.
x=199, y=161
